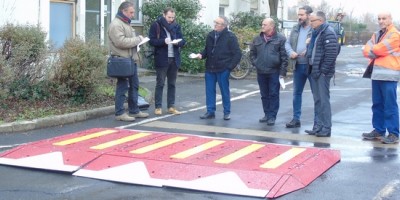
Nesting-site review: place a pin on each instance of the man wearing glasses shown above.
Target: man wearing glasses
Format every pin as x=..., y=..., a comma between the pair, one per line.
x=322, y=52
x=223, y=53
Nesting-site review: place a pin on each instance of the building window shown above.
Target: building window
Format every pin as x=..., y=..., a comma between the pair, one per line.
x=138, y=14
x=221, y=11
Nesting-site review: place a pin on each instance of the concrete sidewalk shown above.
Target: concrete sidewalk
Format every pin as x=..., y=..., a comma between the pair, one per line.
x=68, y=118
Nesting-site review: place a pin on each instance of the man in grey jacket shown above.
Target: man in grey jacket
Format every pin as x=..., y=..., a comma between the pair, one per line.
x=268, y=54
x=296, y=48
x=123, y=42
x=322, y=52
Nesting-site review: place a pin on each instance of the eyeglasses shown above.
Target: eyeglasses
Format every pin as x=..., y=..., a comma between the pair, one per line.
x=315, y=20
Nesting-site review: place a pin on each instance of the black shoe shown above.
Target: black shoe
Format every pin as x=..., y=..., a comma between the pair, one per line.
x=263, y=120
x=293, y=124
x=227, y=117
x=323, y=134
x=271, y=122
x=314, y=131
x=208, y=116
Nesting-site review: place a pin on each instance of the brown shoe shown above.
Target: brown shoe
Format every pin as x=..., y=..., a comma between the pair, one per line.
x=172, y=110
x=125, y=117
x=139, y=115
x=158, y=111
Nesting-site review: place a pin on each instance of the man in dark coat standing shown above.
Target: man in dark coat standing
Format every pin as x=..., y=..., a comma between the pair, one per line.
x=322, y=51
x=166, y=37
x=269, y=55
x=223, y=53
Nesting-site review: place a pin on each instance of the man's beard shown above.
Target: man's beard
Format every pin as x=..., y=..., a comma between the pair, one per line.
x=302, y=23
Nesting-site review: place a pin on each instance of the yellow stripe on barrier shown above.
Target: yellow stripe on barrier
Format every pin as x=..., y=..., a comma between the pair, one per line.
x=238, y=154
x=158, y=145
x=198, y=149
x=281, y=159
x=120, y=141
x=83, y=138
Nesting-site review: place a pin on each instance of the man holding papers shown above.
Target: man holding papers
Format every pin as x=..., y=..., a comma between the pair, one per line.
x=166, y=37
x=268, y=54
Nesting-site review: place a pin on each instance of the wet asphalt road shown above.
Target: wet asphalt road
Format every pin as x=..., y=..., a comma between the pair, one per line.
x=368, y=170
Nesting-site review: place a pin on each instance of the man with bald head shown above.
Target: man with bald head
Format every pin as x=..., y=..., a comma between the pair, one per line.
x=268, y=54
x=383, y=52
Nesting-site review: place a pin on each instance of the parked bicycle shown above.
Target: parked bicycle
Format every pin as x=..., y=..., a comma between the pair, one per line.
x=244, y=68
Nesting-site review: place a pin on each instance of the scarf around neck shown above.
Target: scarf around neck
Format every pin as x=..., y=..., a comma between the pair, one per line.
x=169, y=27
x=122, y=17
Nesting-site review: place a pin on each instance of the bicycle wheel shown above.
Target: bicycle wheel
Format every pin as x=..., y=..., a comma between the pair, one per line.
x=242, y=69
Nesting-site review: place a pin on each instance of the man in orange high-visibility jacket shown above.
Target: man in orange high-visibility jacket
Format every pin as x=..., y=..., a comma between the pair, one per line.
x=383, y=50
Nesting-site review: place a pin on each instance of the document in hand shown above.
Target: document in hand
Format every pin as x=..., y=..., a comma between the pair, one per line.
x=175, y=41
x=282, y=83
x=146, y=39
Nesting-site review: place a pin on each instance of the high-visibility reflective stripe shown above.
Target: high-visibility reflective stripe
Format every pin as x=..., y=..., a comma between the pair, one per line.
x=281, y=159
x=240, y=153
x=83, y=138
x=158, y=145
x=120, y=141
x=197, y=149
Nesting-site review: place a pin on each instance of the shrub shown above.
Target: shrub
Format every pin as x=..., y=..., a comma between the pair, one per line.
x=193, y=32
x=22, y=62
x=80, y=67
x=28, y=49
x=246, y=20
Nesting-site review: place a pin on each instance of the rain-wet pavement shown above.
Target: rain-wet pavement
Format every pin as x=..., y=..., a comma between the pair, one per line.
x=368, y=170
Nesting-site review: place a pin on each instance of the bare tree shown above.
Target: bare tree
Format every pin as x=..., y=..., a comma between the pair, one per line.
x=273, y=8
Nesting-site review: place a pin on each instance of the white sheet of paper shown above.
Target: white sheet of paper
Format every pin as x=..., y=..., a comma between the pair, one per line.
x=146, y=39
x=175, y=41
x=192, y=55
x=282, y=82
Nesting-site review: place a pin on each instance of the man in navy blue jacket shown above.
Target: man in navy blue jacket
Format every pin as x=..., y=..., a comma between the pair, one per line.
x=223, y=53
x=322, y=51
x=166, y=37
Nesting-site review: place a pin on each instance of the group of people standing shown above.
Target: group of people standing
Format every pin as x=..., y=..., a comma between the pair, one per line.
x=310, y=51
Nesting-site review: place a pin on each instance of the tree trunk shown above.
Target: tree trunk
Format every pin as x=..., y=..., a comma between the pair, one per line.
x=273, y=8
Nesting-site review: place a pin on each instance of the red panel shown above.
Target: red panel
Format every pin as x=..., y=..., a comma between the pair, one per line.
x=157, y=167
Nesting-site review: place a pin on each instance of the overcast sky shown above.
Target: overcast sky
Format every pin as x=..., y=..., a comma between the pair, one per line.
x=361, y=7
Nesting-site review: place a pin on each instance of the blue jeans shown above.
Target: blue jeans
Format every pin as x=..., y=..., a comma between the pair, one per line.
x=130, y=85
x=269, y=90
x=385, y=111
x=300, y=76
x=170, y=73
x=322, y=105
x=211, y=78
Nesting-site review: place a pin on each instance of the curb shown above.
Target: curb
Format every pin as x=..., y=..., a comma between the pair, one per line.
x=57, y=120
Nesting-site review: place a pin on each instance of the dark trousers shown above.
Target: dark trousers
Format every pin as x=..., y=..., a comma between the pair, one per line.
x=130, y=85
x=320, y=85
x=170, y=72
x=269, y=90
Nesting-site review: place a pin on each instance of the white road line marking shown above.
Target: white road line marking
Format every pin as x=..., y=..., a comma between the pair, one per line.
x=190, y=110
x=388, y=190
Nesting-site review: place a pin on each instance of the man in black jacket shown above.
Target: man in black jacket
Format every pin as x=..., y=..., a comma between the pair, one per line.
x=322, y=52
x=268, y=54
x=166, y=37
x=223, y=53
